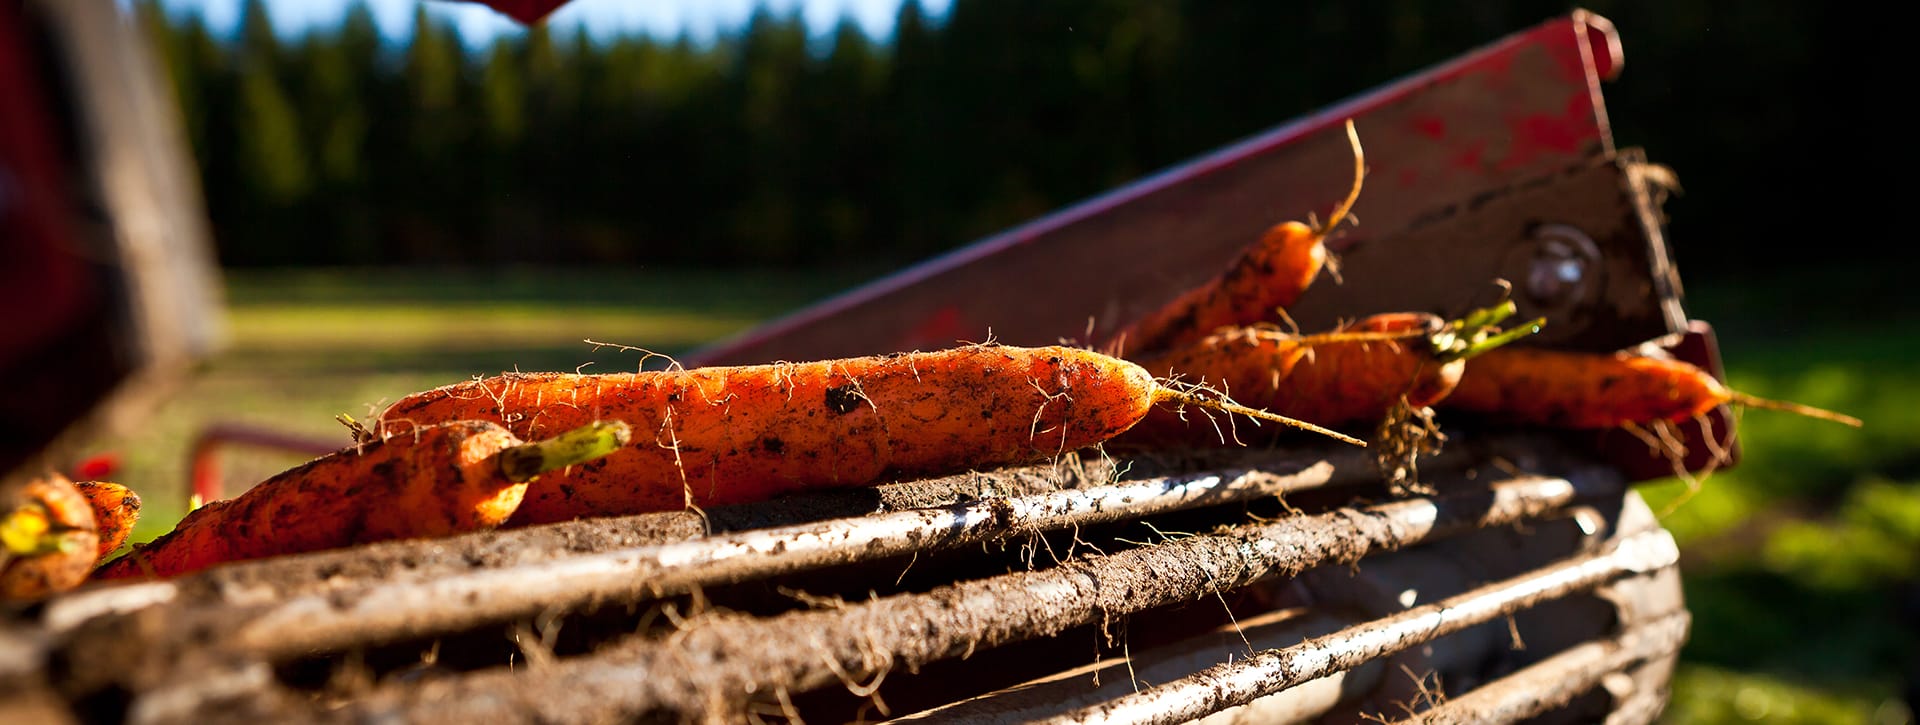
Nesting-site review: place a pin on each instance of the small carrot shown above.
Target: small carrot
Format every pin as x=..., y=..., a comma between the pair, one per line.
x=719, y=435
x=48, y=542
x=1356, y=374
x=431, y=481
x=1269, y=275
x=115, y=510
x=1567, y=389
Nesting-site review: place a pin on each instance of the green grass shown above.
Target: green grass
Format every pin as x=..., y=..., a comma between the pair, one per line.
x=1796, y=561
x=304, y=346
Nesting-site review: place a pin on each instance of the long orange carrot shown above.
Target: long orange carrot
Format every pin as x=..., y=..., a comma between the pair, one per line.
x=48, y=540
x=429, y=481
x=720, y=435
x=1269, y=275
x=1353, y=375
x=1598, y=390
x=116, y=509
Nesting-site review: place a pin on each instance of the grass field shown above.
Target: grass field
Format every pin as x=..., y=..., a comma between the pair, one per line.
x=1802, y=565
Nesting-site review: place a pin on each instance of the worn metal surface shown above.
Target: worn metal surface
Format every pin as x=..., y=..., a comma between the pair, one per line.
x=1519, y=110
x=1270, y=672
x=421, y=599
x=1556, y=681
x=407, y=609
x=206, y=651
x=699, y=670
x=1447, y=260
x=1105, y=680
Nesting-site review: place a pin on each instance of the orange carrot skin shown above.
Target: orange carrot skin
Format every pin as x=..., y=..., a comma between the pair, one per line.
x=430, y=481
x=116, y=509
x=1270, y=274
x=1584, y=390
x=748, y=433
x=1330, y=383
x=39, y=576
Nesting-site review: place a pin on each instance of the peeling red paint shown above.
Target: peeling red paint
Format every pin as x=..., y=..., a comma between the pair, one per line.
x=1472, y=156
x=1560, y=133
x=1433, y=127
x=944, y=327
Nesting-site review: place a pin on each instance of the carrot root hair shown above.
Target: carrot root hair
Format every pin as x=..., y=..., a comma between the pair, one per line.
x=1809, y=411
x=1353, y=195
x=1163, y=393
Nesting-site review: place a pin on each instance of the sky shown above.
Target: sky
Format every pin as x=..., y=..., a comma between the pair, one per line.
x=478, y=25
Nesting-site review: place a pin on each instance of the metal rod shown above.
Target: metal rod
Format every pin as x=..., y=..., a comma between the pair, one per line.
x=394, y=610
x=1111, y=677
x=1641, y=708
x=1555, y=681
x=251, y=583
x=700, y=669
x=1269, y=672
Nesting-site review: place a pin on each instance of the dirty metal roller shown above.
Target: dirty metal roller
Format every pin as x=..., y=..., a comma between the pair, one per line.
x=1268, y=584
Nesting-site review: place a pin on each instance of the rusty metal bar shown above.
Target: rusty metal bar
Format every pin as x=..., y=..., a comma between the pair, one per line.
x=1553, y=682
x=1269, y=672
x=387, y=611
x=1641, y=708
x=1112, y=677
x=251, y=583
x=699, y=669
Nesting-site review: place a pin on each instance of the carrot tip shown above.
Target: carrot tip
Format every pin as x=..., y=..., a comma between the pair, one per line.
x=1165, y=393
x=1791, y=407
x=585, y=443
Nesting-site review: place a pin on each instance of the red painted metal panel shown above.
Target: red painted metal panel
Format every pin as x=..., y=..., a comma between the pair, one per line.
x=1526, y=106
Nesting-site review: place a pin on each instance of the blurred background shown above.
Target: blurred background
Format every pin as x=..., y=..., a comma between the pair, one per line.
x=404, y=194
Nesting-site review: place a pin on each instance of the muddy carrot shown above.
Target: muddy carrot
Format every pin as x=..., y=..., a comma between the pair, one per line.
x=720, y=435
x=1568, y=389
x=429, y=481
x=116, y=509
x=1269, y=275
x=1348, y=376
x=48, y=541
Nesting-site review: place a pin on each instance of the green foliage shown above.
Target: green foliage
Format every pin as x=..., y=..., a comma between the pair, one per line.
x=778, y=143
x=1704, y=694
x=1874, y=537
x=274, y=154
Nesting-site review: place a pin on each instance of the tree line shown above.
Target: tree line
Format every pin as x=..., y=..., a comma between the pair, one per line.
x=775, y=144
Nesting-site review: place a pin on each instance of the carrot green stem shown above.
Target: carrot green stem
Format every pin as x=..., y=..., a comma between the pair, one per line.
x=1480, y=346
x=29, y=532
x=1179, y=396
x=1329, y=338
x=1487, y=316
x=585, y=443
x=1806, y=410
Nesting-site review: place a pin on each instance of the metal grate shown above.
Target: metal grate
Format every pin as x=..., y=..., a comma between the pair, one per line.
x=1278, y=584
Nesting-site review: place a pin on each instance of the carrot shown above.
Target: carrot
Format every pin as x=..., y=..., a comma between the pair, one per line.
x=1269, y=275
x=115, y=510
x=1356, y=374
x=432, y=481
x=48, y=541
x=720, y=435
x=1566, y=389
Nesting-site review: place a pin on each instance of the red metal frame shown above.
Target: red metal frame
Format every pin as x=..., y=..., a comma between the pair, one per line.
x=1521, y=108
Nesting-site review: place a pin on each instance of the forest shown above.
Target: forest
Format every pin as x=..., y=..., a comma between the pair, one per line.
x=777, y=144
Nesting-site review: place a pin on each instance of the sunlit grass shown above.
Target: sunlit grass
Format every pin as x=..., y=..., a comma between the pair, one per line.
x=1703, y=694
x=305, y=346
